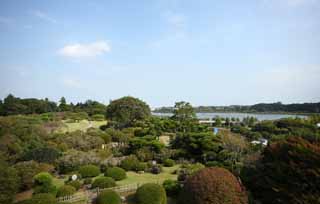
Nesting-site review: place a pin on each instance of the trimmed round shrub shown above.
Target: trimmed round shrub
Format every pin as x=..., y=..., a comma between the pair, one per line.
x=156, y=169
x=213, y=186
x=66, y=190
x=168, y=162
x=116, y=173
x=76, y=184
x=142, y=166
x=89, y=171
x=42, y=178
x=130, y=163
x=43, y=198
x=87, y=181
x=151, y=193
x=103, y=182
x=172, y=187
x=108, y=197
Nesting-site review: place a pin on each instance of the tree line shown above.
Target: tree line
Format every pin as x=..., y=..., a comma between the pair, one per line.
x=257, y=108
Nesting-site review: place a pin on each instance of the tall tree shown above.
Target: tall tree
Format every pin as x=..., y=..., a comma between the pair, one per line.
x=184, y=114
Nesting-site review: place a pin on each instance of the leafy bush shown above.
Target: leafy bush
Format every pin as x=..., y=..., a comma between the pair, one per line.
x=151, y=193
x=65, y=191
x=43, y=198
x=213, y=186
x=108, y=197
x=26, y=171
x=43, y=183
x=116, y=173
x=130, y=163
x=98, y=117
x=45, y=155
x=8, y=183
x=168, y=162
x=103, y=182
x=156, y=169
x=141, y=166
x=89, y=171
x=76, y=184
x=172, y=187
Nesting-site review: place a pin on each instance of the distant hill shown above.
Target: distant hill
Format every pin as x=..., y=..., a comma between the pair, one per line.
x=257, y=108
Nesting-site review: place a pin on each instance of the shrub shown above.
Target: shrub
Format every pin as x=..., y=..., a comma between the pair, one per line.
x=172, y=187
x=213, y=186
x=108, y=197
x=151, y=194
x=156, y=169
x=130, y=163
x=141, y=166
x=116, y=173
x=43, y=183
x=168, y=162
x=8, y=183
x=43, y=198
x=103, y=182
x=89, y=171
x=66, y=190
x=87, y=181
x=98, y=117
x=76, y=184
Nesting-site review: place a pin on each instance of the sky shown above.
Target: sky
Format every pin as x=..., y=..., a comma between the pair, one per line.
x=206, y=52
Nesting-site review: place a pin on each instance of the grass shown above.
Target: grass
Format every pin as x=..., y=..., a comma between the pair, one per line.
x=133, y=177
x=82, y=125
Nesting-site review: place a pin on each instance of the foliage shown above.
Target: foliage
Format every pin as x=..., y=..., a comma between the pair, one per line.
x=43, y=198
x=9, y=183
x=87, y=181
x=287, y=172
x=151, y=194
x=43, y=154
x=188, y=170
x=168, y=162
x=184, y=113
x=116, y=173
x=26, y=171
x=172, y=187
x=213, y=186
x=89, y=171
x=76, y=184
x=43, y=183
x=108, y=197
x=127, y=110
x=65, y=191
x=130, y=163
x=103, y=182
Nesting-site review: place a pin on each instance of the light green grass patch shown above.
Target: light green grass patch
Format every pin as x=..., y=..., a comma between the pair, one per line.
x=82, y=125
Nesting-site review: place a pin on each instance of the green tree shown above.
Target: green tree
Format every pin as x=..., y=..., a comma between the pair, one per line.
x=127, y=110
x=184, y=114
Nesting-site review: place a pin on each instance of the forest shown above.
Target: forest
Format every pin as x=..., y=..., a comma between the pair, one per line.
x=120, y=153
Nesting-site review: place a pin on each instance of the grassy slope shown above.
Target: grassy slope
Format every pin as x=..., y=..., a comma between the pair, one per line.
x=82, y=125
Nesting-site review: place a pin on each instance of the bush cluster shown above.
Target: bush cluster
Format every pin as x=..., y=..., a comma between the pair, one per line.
x=116, y=173
x=151, y=193
x=66, y=190
x=103, y=182
x=168, y=162
x=213, y=186
x=130, y=163
x=172, y=187
x=89, y=171
x=108, y=197
x=76, y=184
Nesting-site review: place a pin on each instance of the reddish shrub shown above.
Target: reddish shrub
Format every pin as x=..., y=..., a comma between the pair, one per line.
x=213, y=186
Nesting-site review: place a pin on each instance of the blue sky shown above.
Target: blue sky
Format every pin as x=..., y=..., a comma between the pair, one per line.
x=207, y=52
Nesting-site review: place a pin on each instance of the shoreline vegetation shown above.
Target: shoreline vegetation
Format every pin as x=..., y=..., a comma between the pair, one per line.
x=258, y=113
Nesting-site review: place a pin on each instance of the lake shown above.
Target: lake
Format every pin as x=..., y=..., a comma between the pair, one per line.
x=259, y=116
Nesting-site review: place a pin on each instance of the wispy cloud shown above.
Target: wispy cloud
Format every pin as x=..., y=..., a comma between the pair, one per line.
x=44, y=16
x=78, y=50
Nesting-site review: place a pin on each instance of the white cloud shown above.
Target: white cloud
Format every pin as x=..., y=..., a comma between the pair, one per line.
x=78, y=50
x=44, y=16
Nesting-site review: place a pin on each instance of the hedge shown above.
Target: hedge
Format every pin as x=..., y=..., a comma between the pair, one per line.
x=116, y=173
x=89, y=171
x=108, y=197
x=66, y=190
x=103, y=182
x=151, y=193
x=168, y=162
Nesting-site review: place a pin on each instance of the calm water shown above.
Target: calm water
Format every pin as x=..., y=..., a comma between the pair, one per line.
x=238, y=115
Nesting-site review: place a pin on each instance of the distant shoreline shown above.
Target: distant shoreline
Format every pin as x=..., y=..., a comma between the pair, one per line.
x=260, y=113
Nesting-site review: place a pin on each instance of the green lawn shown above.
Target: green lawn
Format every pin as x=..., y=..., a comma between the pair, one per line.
x=82, y=125
x=133, y=177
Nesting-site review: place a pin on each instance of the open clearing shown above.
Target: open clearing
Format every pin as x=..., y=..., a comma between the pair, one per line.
x=82, y=125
